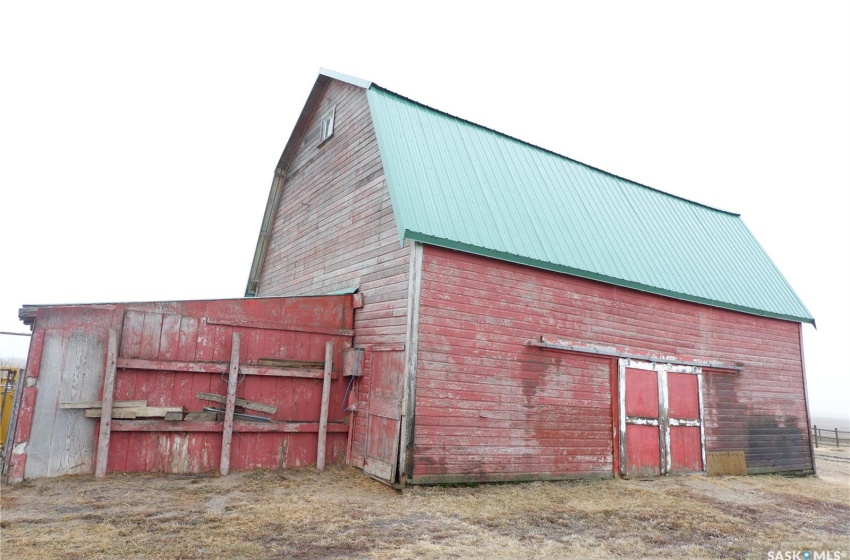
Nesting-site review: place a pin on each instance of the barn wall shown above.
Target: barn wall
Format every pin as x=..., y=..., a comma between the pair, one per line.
x=67, y=364
x=488, y=407
x=334, y=229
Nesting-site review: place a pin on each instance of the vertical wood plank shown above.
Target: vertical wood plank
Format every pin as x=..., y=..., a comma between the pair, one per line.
x=230, y=405
x=323, y=415
x=408, y=407
x=106, y=414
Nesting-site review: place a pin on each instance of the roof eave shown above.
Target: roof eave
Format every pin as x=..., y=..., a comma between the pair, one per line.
x=457, y=246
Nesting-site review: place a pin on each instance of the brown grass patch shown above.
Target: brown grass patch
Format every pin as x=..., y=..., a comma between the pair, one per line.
x=342, y=514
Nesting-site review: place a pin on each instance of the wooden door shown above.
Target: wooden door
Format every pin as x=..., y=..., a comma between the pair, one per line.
x=661, y=427
x=683, y=411
x=384, y=417
x=643, y=423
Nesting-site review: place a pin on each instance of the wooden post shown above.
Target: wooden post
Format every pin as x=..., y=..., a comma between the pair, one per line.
x=323, y=415
x=106, y=414
x=230, y=404
x=837, y=444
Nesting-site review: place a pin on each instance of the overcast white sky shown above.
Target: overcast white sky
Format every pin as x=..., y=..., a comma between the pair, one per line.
x=138, y=140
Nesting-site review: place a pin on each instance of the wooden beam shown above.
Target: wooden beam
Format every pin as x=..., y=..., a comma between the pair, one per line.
x=106, y=405
x=411, y=347
x=323, y=415
x=308, y=373
x=274, y=362
x=216, y=427
x=227, y=433
x=614, y=353
x=99, y=404
x=201, y=417
x=169, y=365
x=135, y=412
x=278, y=327
x=219, y=368
x=251, y=405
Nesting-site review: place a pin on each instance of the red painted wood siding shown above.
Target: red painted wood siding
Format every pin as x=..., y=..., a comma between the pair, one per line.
x=334, y=229
x=193, y=331
x=488, y=407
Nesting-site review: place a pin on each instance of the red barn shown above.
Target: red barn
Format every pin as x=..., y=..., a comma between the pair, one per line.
x=526, y=316
x=496, y=311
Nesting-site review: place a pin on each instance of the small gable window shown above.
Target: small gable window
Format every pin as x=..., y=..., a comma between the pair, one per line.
x=327, y=125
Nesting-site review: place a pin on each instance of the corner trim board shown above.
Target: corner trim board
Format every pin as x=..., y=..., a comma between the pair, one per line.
x=414, y=290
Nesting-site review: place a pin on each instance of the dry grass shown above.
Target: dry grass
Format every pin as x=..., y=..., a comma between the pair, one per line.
x=342, y=514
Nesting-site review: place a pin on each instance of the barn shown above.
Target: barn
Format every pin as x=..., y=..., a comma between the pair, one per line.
x=526, y=316
x=432, y=301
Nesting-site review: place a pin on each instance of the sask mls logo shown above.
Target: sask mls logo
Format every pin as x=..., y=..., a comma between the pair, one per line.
x=807, y=555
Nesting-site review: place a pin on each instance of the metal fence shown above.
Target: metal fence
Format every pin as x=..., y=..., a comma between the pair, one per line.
x=830, y=437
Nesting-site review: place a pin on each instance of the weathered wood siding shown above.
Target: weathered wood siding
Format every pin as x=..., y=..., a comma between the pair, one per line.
x=66, y=363
x=168, y=353
x=334, y=229
x=489, y=408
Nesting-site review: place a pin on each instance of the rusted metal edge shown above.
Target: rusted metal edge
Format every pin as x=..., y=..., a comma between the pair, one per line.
x=596, y=351
x=238, y=426
x=278, y=327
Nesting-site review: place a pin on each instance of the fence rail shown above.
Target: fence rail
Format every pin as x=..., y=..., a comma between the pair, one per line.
x=829, y=437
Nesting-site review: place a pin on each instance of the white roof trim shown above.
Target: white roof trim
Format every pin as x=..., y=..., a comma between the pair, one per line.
x=345, y=78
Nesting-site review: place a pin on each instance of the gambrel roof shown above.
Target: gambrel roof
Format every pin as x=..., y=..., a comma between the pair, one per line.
x=462, y=186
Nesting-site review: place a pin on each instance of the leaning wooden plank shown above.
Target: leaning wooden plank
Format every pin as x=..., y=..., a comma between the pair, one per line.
x=99, y=404
x=323, y=414
x=229, y=407
x=106, y=405
x=251, y=405
x=238, y=426
x=173, y=416
x=239, y=415
x=200, y=417
x=135, y=412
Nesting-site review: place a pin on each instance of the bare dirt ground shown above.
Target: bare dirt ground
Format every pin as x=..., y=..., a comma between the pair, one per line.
x=343, y=514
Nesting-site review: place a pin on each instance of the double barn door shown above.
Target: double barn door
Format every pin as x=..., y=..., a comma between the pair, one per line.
x=661, y=421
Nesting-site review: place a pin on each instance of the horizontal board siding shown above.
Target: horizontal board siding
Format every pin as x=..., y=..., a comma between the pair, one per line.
x=488, y=408
x=487, y=404
x=334, y=229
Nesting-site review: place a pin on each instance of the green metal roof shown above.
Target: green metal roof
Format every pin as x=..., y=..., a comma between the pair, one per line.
x=462, y=186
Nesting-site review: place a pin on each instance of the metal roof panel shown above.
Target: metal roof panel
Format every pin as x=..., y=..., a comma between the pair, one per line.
x=463, y=186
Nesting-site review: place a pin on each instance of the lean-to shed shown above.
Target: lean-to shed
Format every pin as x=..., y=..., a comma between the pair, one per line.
x=526, y=316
